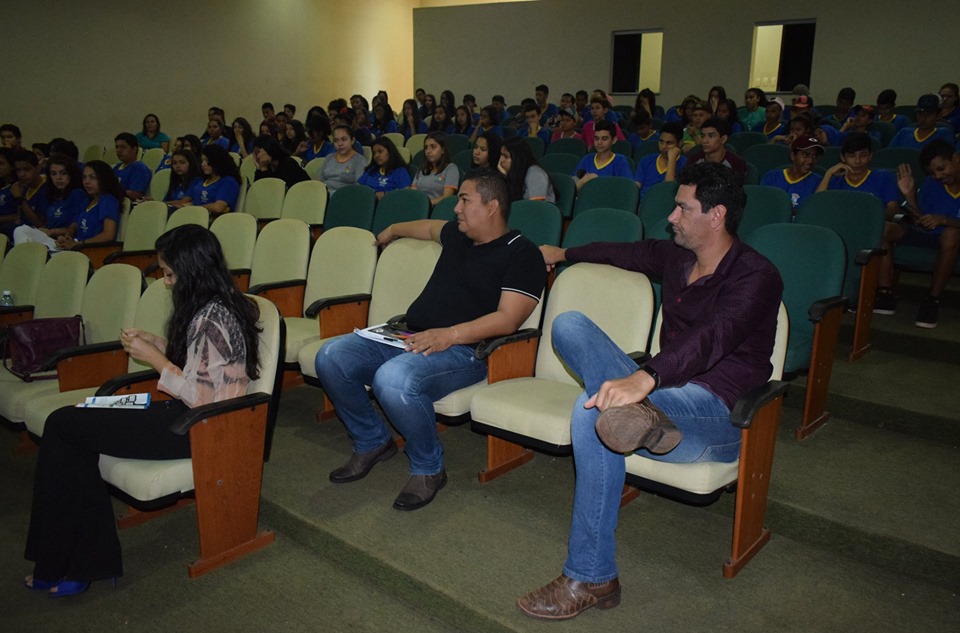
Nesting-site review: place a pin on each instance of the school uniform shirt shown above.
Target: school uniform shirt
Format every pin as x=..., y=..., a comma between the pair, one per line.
x=636, y=140
x=223, y=142
x=543, y=134
x=135, y=176
x=798, y=190
x=616, y=165
x=91, y=219
x=433, y=184
x=936, y=199
x=36, y=198
x=62, y=212
x=588, y=134
x=235, y=147
x=182, y=191
x=378, y=180
x=8, y=204
x=380, y=130
x=779, y=130
x=832, y=133
x=315, y=151
x=953, y=119
x=912, y=138
x=652, y=170
x=879, y=182
x=203, y=192
x=164, y=164
x=336, y=174
x=408, y=132
x=898, y=120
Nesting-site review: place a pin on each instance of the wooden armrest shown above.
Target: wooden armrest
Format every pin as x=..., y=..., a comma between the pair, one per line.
x=867, y=254
x=819, y=309
x=15, y=314
x=197, y=414
x=286, y=295
x=88, y=365
x=747, y=406
x=512, y=356
x=328, y=302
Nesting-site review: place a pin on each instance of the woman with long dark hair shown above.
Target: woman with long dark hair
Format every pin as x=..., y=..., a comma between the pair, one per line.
x=209, y=354
x=438, y=178
x=273, y=161
x=242, y=137
x=387, y=170
x=411, y=124
x=526, y=180
x=184, y=174
x=65, y=199
x=98, y=221
x=219, y=188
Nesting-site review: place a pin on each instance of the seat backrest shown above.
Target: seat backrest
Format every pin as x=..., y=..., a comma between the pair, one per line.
x=444, y=209
x=159, y=184
x=573, y=146
x=248, y=169
x=306, y=201
x=92, y=152
x=415, y=143
x=62, y=284
x=271, y=348
x=396, y=138
x=811, y=260
x=559, y=162
x=538, y=220
x=402, y=272
x=152, y=157
x=237, y=233
x=457, y=143
x=342, y=263
x=765, y=156
x=619, y=301
x=145, y=224
x=857, y=217
x=613, y=192
x=400, y=205
x=110, y=302
x=265, y=198
x=281, y=253
x=189, y=215
x=644, y=149
x=463, y=160
x=315, y=167
x=565, y=188
x=603, y=225
x=352, y=205
x=20, y=272
x=658, y=203
x=765, y=205
x=536, y=145
x=153, y=311
x=743, y=140
x=893, y=157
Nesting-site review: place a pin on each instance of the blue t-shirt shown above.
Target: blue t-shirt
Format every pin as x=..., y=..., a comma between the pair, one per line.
x=8, y=204
x=225, y=189
x=833, y=134
x=90, y=219
x=61, y=213
x=223, y=142
x=936, y=200
x=649, y=171
x=879, y=182
x=635, y=140
x=399, y=178
x=36, y=197
x=778, y=131
x=391, y=126
x=899, y=121
x=313, y=151
x=799, y=190
x=542, y=133
x=235, y=147
x=421, y=129
x=182, y=191
x=164, y=164
x=618, y=165
x=908, y=137
x=135, y=176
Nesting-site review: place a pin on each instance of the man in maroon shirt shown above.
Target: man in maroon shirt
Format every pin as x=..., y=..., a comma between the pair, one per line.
x=720, y=303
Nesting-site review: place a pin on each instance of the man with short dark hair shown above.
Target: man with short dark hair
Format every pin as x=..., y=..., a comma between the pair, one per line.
x=603, y=161
x=531, y=117
x=713, y=138
x=797, y=179
x=134, y=176
x=547, y=109
x=290, y=110
x=934, y=223
x=487, y=281
x=853, y=173
x=926, y=130
x=845, y=100
x=11, y=137
x=720, y=305
x=268, y=112
x=30, y=189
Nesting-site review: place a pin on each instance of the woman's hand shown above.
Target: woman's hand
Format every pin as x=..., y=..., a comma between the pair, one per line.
x=141, y=346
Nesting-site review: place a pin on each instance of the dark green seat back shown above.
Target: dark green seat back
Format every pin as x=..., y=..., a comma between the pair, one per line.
x=400, y=205
x=658, y=204
x=538, y=220
x=765, y=205
x=350, y=206
x=611, y=192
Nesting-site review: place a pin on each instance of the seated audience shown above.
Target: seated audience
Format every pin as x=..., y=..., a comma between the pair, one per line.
x=603, y=162
x=599, y=109
x=387, y=170
x=845, y=100
x=853, y=173
x=65, y=200
x=531, y=127
x=384, y=120
x=294, y=140
x=773, y=125
x=714, y=135
x=486, y=151
x=664, y=165
x=643, y=124
x=934, y=223
x=30, y=190
x=185, y=174
x=754, y=110
x=438, y=177
x=797, y=179
x=567, y=126
x=463, y=121
x=98, y=220
x=411, y=124
x=218, y=189
x=727, y=111
x=799, y=126
x=692, y=135
x=11, y=137
x=273, y=161
x=547, y=109
x=215, y=135
x=860, y=120
x=441, y=120
x=318, y=133
x=526, y=180
x=9, y=203
x=242, y=137
x=487, y=123
x=928, y=112
x=886, y=110
x=133, y=174
x=150, y=136
x=949, y=111
x=345, y=165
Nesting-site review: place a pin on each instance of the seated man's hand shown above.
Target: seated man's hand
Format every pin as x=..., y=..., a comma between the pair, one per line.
x=931, y=221
x=553, y=255
x=433, y=340
x=617, y=393
x=385, y=237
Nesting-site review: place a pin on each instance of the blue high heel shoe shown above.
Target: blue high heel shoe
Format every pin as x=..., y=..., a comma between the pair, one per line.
x=66, y=588
x=39, y=585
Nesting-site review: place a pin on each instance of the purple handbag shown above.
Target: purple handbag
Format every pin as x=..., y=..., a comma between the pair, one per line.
x=30, y=343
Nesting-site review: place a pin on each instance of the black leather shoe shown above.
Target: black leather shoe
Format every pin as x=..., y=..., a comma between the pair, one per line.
x=360, y=464
x=420, y=490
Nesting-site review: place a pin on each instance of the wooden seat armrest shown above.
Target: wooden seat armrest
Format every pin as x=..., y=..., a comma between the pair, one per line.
x=819, y=309
x=286, y=295
x=488, y=346
x=747, y=406
x=327, y=302
x=867, y=254
x=123, y=381
x=15, y=314
x=87, y=366
x=182, y=425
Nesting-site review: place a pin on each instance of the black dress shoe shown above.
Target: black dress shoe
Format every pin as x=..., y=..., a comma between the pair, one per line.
x=420, y=490
x=360, y=464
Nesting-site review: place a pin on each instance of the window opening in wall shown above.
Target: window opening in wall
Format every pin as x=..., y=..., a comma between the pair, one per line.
x=636, y=61
x=782, y=55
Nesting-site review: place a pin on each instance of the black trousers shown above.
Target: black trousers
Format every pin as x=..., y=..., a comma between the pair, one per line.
x=73, y=532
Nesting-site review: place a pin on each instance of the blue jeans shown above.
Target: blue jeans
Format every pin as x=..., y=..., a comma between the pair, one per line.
x=406, y=386
x=703, y=418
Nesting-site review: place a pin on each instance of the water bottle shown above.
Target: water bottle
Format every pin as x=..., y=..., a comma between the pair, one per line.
x=6, y=300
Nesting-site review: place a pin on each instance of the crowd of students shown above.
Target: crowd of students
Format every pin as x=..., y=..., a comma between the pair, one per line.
x=41, y=199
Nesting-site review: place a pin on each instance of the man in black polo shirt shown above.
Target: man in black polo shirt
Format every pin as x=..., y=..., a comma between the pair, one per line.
x=486, y=283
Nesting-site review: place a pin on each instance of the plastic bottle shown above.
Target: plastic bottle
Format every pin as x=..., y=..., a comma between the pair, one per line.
x=6, y=300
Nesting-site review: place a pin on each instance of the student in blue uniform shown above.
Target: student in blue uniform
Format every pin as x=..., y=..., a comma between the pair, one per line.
x=97, y=222
x=30, y=189
x=134, y=176
x=853, y=173
x=318, y=135
x=928, y=112
x=218, y=189
x=547, y=109
x=242, y=137
x=184, y=175
x=215, y=135
x=441, y=120
x=860, y=120
x=886, y=109
x=9, y=205
x=387, y=170
x=65, y=199
x=845, y=100
x=487, y=124
x=773, y=124
x=531, y=117
x=463, y=121
x=798, y=180
x=384, y=121
x=949, y=110
x=602, y=162
x=643, y=124
x=665, y=164
x=935, y=223
x=411, y=123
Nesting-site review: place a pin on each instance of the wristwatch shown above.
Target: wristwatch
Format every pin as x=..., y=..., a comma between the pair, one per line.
x=653, y=374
